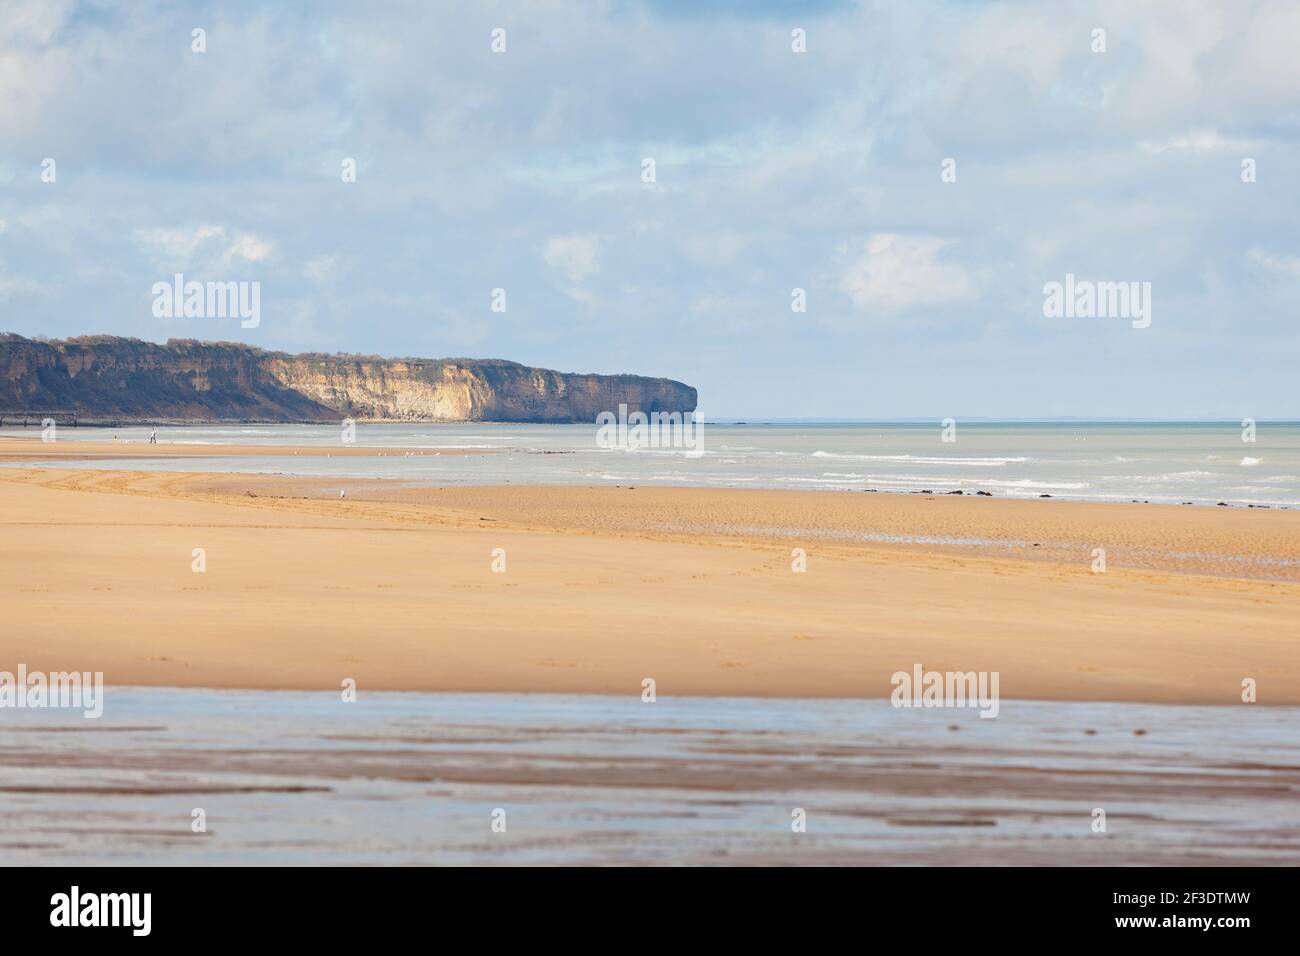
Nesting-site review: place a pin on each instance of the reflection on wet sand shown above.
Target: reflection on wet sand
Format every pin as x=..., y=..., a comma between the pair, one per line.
x=300, y=778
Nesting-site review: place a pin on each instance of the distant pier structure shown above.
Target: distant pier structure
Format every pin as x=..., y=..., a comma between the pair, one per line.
x=37, y=417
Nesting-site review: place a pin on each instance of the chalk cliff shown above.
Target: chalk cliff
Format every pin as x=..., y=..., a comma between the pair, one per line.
x=107, y=378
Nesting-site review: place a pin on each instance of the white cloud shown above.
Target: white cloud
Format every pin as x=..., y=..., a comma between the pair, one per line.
x=177, y=243
x=1200, y=141
x=249, y=247
x=322, y=268
x=711, y=304
x=34, y=22
x=204, y=247
x=9, y=285
x=581, y=296
x=895, y=271
x=575, y=257
x=717, y=248
x=1288, y=266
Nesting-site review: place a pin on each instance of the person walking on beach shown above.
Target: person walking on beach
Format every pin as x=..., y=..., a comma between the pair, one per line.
x=153, y=437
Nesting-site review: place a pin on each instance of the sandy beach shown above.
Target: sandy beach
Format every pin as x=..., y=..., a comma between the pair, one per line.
x=394, y=586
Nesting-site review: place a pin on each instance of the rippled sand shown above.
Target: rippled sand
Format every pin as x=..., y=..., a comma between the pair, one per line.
x=296, y=778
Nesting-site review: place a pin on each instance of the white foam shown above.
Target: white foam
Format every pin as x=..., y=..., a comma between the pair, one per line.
x=922, y=459
x=1029, y=483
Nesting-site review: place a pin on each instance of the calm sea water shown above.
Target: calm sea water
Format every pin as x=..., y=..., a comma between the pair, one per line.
x=1158, y=462
x=302, y=778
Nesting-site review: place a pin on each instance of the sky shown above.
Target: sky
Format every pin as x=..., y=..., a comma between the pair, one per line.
x=921, y=170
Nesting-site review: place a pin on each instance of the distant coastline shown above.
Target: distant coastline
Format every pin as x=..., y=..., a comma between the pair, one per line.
x=115, y=381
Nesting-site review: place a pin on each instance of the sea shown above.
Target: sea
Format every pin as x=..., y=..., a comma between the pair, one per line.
x=1159, y=462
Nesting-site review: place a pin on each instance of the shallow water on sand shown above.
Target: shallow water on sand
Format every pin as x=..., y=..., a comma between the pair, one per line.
x=1164, y=462
x=403, y=778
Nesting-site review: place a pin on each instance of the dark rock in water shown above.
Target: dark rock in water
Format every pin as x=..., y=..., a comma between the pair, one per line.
x=1044, y=496
x=926, y=491
x=957, y=492
x=1223, y=504
x=986, y=494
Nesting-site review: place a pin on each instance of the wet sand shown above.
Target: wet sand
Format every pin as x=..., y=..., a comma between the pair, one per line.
x=603, y=587
x=290, y=778
x=1261, y=544
x=33, y=449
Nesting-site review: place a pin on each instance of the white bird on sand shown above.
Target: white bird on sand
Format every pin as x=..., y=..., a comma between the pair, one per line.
x=342, y=493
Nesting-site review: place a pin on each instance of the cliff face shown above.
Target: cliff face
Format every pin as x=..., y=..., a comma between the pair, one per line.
x=103, y=377
x=469, y=390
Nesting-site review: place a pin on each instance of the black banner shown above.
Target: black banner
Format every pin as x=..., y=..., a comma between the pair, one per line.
x=334, y=905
